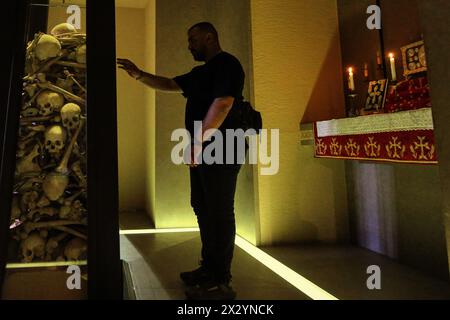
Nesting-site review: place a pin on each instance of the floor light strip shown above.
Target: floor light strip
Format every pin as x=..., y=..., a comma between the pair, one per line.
x=45, y=264
x=151, y=231
x=301, y=283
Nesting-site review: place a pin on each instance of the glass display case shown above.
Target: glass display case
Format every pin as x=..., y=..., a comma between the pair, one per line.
x=59, y=154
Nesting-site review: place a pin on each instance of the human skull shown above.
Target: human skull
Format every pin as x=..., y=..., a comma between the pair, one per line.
x=55, y=139
x=63, y=28
x=81, y=54
x=47, y=47
x=75, y=249
x=49, y=101
x=32, y=247
x=70, y=116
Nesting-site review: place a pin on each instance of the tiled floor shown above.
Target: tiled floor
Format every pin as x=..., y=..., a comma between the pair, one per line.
x=156, y=260
x=342, y=271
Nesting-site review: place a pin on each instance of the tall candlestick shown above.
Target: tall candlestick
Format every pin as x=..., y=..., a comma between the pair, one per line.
x=379, y=62
x=393, y=71
x=351, y=80
x=366, y=71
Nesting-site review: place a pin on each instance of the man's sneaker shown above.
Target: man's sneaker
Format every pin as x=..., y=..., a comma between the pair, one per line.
x=196, y=277
x=211, y=291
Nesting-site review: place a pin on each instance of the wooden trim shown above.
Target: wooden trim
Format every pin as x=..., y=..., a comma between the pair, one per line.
x=104, y=266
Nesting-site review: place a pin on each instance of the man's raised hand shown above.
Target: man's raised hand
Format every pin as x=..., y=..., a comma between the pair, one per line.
x=129, y=67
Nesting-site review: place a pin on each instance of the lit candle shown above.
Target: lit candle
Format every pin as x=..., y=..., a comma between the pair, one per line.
x=393, y=72
x=351, y=80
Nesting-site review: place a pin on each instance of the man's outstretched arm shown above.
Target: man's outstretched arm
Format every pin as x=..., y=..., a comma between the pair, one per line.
x=153, y=81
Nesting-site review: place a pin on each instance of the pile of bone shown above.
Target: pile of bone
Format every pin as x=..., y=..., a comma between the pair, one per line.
x=49, y=215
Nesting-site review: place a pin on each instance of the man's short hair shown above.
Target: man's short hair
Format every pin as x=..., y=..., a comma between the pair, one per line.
x=206, y=27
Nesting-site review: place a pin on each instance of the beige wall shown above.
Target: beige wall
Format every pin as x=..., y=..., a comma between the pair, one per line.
x=131, y=108
x=149, y=114
x=173, y=17
x=292, y=40
x=435, y=22
x=231, y=18
x=57, y=15
x=134, y=40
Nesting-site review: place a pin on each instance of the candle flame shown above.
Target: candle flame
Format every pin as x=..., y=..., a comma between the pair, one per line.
x=350, y=70
x=391, y=55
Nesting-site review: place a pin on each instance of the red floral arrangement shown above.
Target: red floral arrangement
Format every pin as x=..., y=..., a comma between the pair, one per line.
x=409, y=94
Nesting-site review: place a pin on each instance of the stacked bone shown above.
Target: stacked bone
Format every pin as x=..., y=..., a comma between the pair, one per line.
x=49, y=216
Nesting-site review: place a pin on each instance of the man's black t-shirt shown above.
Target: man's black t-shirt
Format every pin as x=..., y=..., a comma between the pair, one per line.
x=222, y=76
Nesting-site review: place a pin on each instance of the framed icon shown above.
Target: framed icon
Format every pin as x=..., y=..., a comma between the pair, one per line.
x=414, y=58
x=376, y=96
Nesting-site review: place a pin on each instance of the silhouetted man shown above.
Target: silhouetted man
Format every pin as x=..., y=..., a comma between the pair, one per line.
x=212, y=90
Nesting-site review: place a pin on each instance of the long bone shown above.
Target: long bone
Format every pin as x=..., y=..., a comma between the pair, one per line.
x=56, y=182
x=71, y=64
x=28, y=136
x=70, y=76
x=70, y=35
x=47, y=65
x=30, y=120
x=71, y=39
x=30, y=226
x=71, y=231
x=66, y=94
x=48, y=211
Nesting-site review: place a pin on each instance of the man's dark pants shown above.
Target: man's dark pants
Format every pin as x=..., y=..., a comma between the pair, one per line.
x=212, y=198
